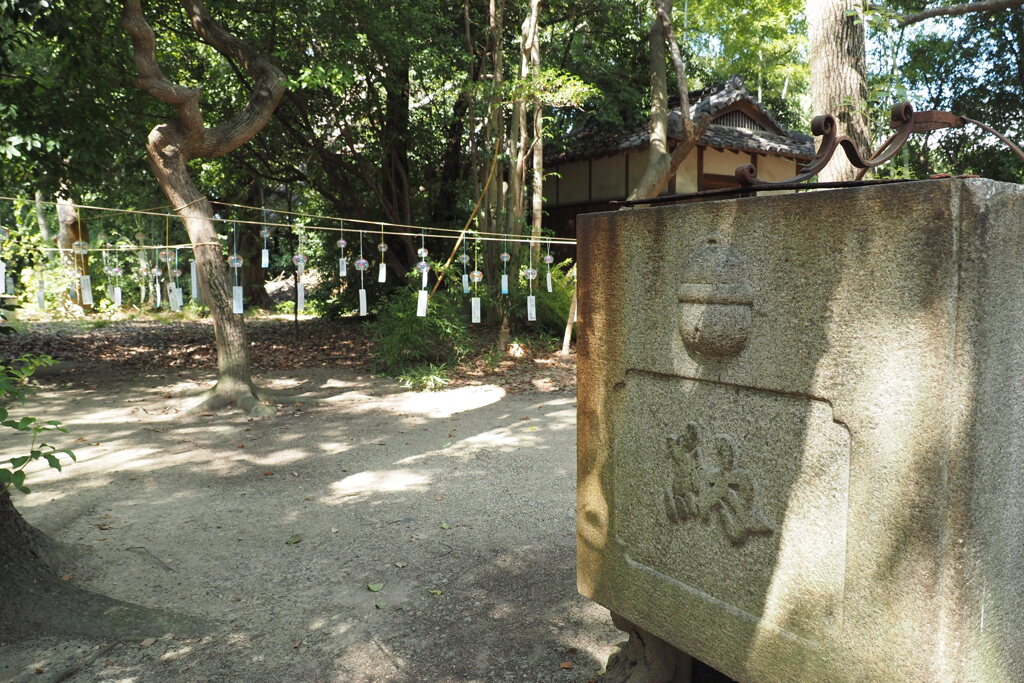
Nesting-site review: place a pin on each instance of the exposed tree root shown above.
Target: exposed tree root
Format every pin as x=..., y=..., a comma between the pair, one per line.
x=240, y=395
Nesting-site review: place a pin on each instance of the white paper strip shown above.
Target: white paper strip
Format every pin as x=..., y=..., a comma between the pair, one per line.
x=549, y=282
x=423, y=280
x=465, y=283
x=86, y=290
x=117, y=297
x=3, y=278
x=110, y=292
x=421, y=304
x=504, y=283
x=159, y=293
x=172, y=297
x=342, y=266
x=41, y=295
x=531, y=308
x=264, y=258
x=195, y=281
x=474, y=304
x=181, y=296
x=301, y=296
x=362, y=302
x=236, y=300
x=9, y=284
x=382, y=273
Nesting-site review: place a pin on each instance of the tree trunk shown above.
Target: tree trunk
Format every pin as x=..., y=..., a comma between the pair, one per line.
x=72, y=230
x=537, y=200
x=662, y=161
x=838, y=76
x=234, y=378
x=38, y=603
x=44, y=226
x=171, y=145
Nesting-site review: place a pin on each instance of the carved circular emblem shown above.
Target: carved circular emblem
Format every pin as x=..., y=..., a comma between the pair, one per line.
x=717, y=300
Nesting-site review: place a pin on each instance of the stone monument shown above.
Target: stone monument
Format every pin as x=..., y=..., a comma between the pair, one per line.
x=801, y=430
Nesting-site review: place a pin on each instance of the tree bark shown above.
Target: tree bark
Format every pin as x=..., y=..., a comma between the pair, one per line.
x=172, y=145
x=838, y=76
x=44, y=226
x=663, y=161
x=537, y=171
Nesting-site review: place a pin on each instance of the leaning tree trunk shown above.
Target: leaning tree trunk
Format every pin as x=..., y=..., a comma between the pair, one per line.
x=838, y=75
x=38, y=602
x=172, y=145
x=662, y=162
x=234, y=377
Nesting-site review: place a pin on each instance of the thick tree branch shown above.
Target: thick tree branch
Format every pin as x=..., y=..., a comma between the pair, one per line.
x=677, y=58
x=152, y=79
x=954, y=10
x=268, y=85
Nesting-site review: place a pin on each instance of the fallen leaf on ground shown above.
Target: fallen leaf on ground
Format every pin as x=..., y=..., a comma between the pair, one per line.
x=67, y=577
x=147, y=642
x=445, y=525
x=375, y=587
x=567, y=664
x=400, y=565
x=268, y=473
x=293, y=539
x=435, y=592
x=381, y=605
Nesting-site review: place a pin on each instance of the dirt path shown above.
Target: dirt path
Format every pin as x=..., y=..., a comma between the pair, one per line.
x=461, y=503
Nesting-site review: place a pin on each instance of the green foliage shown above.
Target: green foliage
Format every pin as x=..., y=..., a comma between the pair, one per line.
x=14, y=389
x=403, y=340
x=427, y=377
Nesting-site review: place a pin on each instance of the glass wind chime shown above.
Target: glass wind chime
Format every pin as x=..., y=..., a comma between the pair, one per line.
x=361, y=265
x=505, y=257
x=464, y=260
x=475, y=276
x=80, y=252
x=423, y=267
x=113, y=271
x=235, y=262
x=548, y=260
x=382, y=247
x=531, y=274
x=342, y=259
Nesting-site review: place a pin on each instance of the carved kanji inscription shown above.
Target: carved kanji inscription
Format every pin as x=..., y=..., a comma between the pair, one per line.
x=708, y=481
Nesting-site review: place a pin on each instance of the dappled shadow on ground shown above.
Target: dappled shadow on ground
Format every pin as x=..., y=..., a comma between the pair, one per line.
x=461, y=503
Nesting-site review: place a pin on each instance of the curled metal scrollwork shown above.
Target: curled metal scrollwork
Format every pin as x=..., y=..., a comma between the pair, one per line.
x=904, y=122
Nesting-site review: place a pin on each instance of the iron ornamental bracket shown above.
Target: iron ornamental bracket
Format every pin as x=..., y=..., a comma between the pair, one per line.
x=904, y=122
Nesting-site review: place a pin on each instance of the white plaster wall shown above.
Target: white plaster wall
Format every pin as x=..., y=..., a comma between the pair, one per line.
x=637, y=164
x=574, y=185
x=686, y=174
x=609, y=180
x=723, y=162
x=774, y=169
x=550, y=186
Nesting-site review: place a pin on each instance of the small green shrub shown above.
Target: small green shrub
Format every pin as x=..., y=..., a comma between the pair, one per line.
x=429, y=377
x=403, y=340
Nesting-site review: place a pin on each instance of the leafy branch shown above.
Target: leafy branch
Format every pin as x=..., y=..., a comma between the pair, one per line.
x=14, y=388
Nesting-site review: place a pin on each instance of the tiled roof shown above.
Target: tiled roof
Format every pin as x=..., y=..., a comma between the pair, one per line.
x=590, y=144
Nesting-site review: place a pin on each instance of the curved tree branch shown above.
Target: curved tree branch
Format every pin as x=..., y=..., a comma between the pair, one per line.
x=954, y=10
x=152, y=79
x=267, y=89
x=268, y=84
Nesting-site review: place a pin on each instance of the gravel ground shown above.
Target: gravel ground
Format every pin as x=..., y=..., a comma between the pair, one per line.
x=461, y=503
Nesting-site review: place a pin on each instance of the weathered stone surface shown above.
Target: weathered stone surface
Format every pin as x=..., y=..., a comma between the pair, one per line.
x=815, y=475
